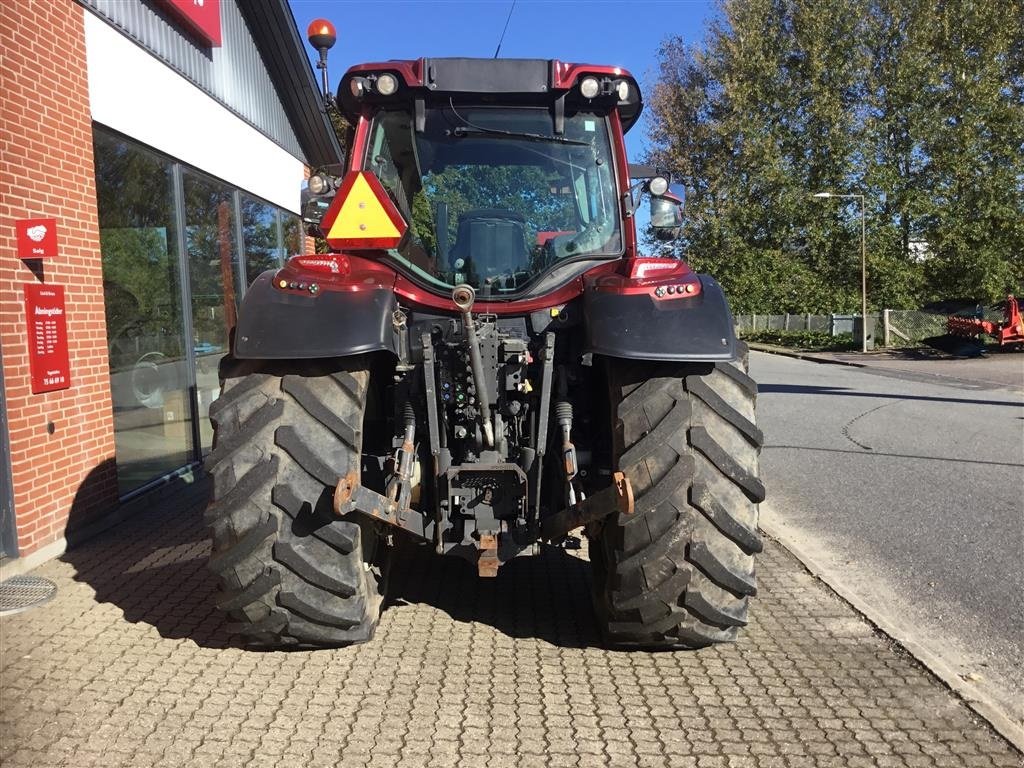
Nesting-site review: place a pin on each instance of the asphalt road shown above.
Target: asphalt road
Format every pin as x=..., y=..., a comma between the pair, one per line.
x=908, y=489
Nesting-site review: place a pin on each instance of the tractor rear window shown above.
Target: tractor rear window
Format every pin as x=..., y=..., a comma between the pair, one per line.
x=493, y=197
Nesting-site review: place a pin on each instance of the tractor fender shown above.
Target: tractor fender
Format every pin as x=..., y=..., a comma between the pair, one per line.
x=274, y=324
x=640, y=327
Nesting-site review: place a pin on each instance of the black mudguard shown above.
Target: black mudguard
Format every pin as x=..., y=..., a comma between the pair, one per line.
x=638, y=327
x=275, y=325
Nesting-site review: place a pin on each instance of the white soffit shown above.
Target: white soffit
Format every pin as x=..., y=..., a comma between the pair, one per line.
x=135, y=93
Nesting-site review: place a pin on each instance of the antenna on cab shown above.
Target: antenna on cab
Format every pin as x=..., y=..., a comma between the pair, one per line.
x=322, y=36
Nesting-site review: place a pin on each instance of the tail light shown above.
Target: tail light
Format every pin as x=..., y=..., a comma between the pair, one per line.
x=657, y=278
x=326, y=264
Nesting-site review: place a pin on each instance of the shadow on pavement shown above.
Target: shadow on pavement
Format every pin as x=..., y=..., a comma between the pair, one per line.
x=152, y=566
x=801, y=389
x=544, y=596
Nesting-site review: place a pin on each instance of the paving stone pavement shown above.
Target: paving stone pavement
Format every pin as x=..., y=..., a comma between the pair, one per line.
x=131, y=666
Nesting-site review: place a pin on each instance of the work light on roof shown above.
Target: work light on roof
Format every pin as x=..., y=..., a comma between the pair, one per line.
x=387, y=84
x=589, y=87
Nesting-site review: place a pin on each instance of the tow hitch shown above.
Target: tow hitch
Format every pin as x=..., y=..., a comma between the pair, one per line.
x=351, y=496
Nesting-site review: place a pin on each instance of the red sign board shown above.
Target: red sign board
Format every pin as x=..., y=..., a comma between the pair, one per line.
x=37, y=238
x=47, y=337
x=201, y=17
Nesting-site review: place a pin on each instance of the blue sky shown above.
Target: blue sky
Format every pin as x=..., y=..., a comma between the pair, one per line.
x=622, y=33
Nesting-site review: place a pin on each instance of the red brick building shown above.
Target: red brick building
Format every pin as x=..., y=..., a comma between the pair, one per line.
x=165, y=142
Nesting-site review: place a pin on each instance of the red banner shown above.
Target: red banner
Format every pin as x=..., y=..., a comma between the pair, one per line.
x=201, y=17
x=37, y=238
x=47, y=337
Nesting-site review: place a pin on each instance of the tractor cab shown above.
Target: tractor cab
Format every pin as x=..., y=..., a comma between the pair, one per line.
x=506, y=171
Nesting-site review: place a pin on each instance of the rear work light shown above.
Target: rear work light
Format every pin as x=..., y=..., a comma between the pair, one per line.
x=589, y=87
x=386, y=84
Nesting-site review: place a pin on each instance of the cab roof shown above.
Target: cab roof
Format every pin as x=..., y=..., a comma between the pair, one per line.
x=519, y=81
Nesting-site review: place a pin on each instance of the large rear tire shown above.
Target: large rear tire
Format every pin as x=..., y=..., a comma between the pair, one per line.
x=679, y=571
x=292, y=573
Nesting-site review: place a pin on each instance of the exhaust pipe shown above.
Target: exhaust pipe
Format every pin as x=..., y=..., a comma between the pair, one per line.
x=463, y=295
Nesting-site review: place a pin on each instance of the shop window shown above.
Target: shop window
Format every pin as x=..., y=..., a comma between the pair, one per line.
x=142, y=292
x=227, y=234
x=212, y=249
x=260, y=237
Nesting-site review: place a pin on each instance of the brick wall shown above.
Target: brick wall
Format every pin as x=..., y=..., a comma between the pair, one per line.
x=46, y=171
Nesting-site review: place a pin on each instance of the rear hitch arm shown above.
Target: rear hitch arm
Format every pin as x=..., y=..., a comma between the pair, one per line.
x=351, y=496
x=617, y=497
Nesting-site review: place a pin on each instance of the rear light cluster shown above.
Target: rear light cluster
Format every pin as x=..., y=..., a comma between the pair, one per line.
x=313, y=288
x=328, y=264
x=661, y=279
x=296, y=274
x=313, y=274
x=684, y=289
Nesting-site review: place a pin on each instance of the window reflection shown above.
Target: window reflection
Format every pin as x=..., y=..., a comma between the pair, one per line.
x=212, y=250
x=142, y=294
x=292, y=227
x=151, y=384
x=260, y=236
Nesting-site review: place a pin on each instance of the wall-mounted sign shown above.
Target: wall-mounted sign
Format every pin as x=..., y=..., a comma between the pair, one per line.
x=37, y=238
x=200, y=17
x=47, y=337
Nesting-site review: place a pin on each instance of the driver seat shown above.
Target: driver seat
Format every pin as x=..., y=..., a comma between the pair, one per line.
x=491, y=242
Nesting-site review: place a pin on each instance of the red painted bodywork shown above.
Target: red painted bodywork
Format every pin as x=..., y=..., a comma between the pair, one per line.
x=348, y=272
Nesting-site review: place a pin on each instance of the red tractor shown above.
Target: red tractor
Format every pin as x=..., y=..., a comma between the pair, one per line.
x=483, y=363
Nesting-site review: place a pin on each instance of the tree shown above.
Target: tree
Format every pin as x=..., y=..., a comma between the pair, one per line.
x=921, y=111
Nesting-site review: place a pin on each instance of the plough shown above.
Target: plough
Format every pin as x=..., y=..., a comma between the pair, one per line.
x=1008, y=332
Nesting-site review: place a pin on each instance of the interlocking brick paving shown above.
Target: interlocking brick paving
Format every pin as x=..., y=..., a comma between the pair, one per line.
x=132, y=666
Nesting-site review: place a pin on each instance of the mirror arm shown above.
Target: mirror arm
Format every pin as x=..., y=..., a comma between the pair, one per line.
x=633, y=200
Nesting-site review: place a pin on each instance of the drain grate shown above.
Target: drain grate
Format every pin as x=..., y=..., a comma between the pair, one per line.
x=19, y=593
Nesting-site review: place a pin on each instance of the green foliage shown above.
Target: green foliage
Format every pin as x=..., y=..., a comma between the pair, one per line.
x=819, y=340
x=916, y=105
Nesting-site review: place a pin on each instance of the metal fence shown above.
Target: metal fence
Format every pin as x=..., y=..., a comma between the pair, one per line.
x=892, y=327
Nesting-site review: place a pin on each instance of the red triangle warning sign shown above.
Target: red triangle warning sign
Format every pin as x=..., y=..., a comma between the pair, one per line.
x=362, y=215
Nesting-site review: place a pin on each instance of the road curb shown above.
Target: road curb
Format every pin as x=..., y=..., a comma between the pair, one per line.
x=979, y=702
x=800, y=355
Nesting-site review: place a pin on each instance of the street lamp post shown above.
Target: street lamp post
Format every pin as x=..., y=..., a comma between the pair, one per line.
x=863, y=266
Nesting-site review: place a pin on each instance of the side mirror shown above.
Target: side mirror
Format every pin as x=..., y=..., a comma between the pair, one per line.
x=666, y=216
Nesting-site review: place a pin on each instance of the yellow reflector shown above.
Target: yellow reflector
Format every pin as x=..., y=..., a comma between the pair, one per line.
x=362, y=215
